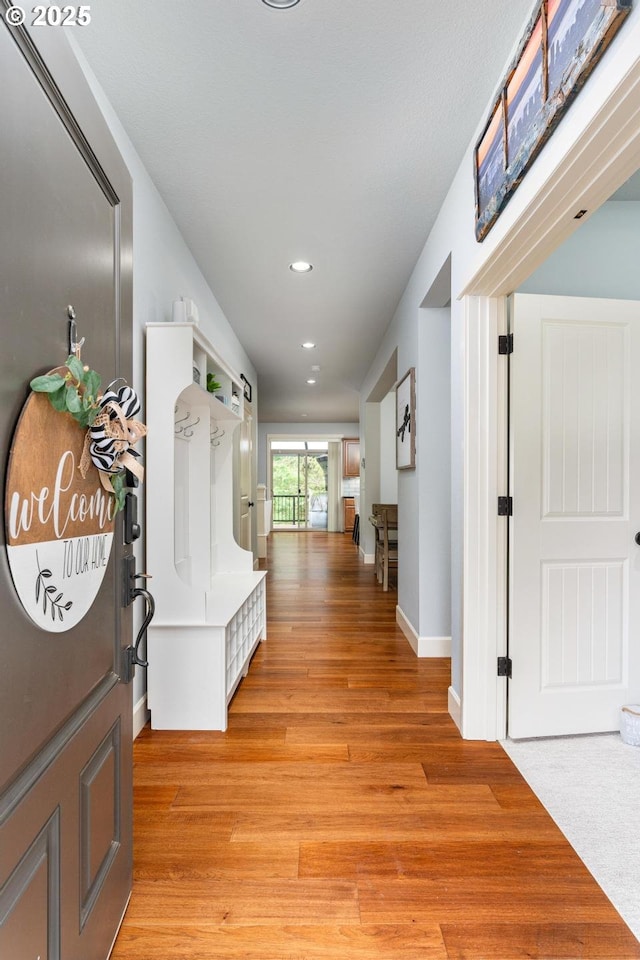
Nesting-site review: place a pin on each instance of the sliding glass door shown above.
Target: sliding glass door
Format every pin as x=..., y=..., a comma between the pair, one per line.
x=289, y=494
x=299, y=485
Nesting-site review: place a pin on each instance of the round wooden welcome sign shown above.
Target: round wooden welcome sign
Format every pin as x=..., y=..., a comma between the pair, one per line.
x=59, y=526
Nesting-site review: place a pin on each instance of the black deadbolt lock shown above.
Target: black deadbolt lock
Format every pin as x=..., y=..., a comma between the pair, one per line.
x=131, y=525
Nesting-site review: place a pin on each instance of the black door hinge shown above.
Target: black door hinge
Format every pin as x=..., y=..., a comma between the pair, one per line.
x=505, y=667
x=505, y=344
x=505, y=506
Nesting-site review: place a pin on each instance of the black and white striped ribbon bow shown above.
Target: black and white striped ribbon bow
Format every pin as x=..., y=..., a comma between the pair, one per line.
x=109, y=441
x=106, y=447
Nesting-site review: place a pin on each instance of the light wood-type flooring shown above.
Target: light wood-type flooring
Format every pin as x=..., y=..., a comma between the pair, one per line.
x=341, y=815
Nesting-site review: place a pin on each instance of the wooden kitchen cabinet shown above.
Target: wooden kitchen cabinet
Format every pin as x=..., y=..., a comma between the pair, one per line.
x=351, y=458
x=349, y=507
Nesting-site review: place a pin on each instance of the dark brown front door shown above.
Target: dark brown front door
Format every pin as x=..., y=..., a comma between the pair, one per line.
x=65, y=714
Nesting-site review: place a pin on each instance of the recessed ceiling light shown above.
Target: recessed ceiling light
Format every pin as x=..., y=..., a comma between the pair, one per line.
x=315, y=368
x=304, y=414
x=311, y=381
x=300, y=266
x=308, y=345
x=281, y=4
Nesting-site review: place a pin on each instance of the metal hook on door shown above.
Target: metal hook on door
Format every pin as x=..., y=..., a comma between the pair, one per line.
x=75, y=345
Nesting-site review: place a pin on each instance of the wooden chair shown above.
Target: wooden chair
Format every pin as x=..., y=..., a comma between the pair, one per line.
x=376, y=512
x=377, y=508
x=386, y=541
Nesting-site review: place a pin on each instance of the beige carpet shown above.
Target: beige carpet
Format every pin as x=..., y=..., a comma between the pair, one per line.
x=591, y=787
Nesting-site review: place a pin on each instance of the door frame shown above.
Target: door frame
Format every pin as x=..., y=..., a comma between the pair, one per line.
x=593, y=166
x=298, y=525
x=300, y=437
x=302, y=524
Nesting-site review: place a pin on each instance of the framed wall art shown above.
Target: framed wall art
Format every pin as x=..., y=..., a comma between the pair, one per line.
x=562, y=44
x=406, y=421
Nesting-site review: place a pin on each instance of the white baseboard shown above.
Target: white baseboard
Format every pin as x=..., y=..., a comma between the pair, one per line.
x=140, y=715
x=407, y=628
x=455, y=708
x=369, y=558
x=423, y=646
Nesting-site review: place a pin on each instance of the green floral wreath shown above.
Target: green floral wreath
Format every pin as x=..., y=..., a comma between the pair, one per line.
x=77, y=392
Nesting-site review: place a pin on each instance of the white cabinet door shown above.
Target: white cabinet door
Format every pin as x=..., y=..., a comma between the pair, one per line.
x=574, y=587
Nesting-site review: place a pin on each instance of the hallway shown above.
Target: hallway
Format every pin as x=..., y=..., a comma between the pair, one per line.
x=341, y=815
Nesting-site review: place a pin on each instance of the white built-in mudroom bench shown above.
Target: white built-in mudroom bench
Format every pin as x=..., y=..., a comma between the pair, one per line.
x=210, y=602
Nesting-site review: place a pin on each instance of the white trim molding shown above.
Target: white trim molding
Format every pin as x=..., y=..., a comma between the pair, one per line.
x=580, y=172
x=367, y=558
x=140, y=716
x=602, y=156
x=484, y=531
x=454, y=707
x=423, y=646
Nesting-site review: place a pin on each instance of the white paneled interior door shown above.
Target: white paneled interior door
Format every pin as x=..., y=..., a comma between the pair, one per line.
x=574, y=584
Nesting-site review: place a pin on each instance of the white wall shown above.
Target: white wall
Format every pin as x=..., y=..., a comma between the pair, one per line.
x=433, y=424
x=388, y=472
x=163, y=270
x=453, y=236
x=422, y=340
x=600, y=260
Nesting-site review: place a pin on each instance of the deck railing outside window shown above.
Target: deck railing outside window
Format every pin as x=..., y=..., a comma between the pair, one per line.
x=289, y=508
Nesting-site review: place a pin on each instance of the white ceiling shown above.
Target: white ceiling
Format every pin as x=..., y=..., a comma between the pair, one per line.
x=329, y=132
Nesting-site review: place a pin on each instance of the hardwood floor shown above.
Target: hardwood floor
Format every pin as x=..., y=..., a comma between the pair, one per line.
x=341, y=815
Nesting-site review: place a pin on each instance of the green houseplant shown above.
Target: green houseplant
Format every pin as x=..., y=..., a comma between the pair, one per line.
x=212, y=383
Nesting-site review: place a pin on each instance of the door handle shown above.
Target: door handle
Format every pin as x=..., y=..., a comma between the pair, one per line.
x=131, y=655
x=251, y=503
x=637, y=538
x=142, y=632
